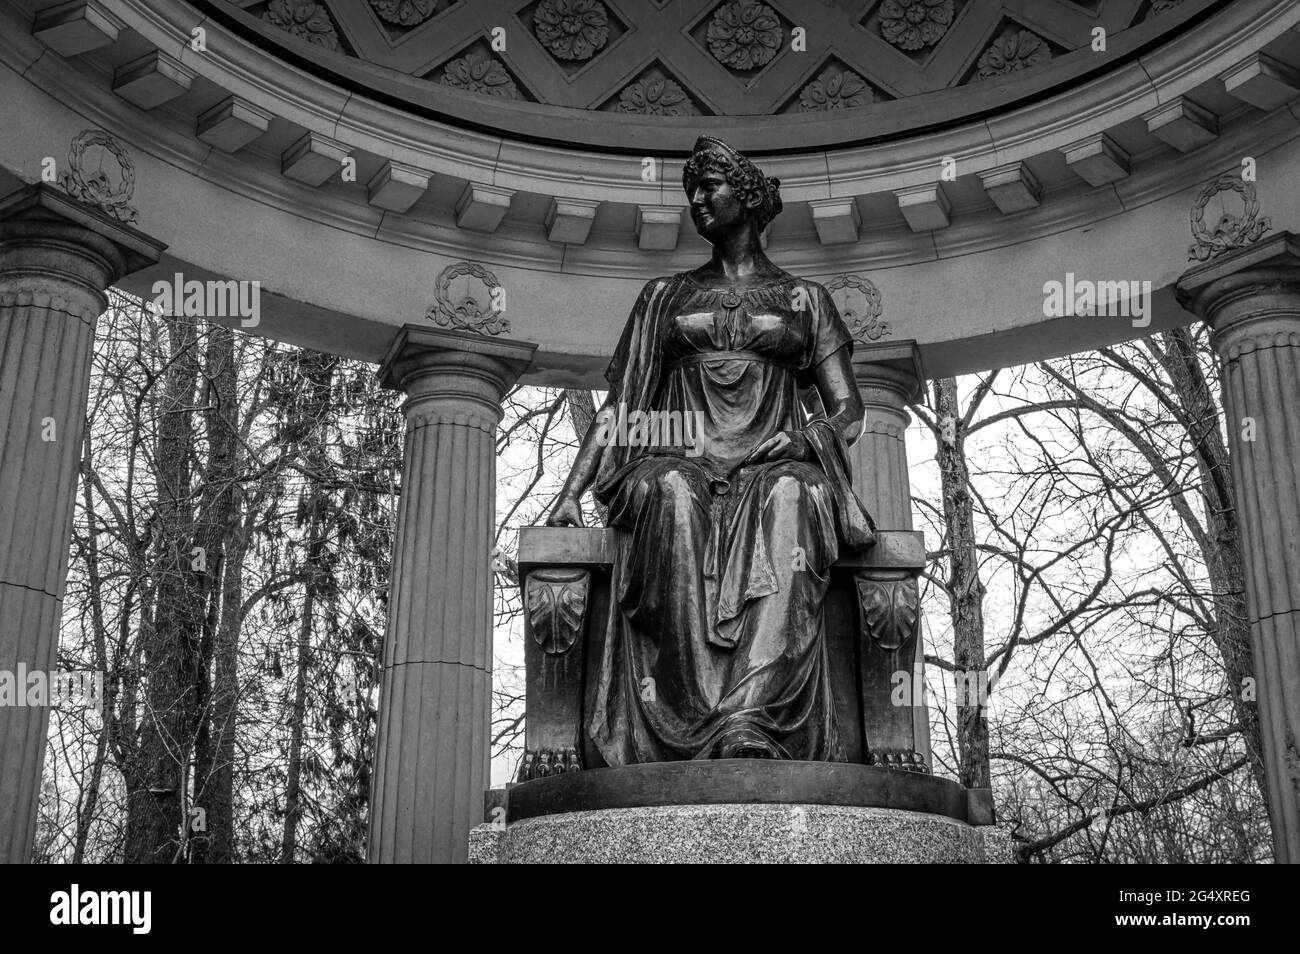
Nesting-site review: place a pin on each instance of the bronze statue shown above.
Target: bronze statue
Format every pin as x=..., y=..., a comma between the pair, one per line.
x=725, y=538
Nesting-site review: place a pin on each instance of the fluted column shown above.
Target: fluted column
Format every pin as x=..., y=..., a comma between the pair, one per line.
x=432, y=755
x=57, y=257
x=888, y=376
x=1250, y=297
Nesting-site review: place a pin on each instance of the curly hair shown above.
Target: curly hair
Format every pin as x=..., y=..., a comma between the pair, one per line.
x=745, y=178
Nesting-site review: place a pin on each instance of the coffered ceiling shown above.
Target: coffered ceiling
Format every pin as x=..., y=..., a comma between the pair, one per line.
x=879, y=66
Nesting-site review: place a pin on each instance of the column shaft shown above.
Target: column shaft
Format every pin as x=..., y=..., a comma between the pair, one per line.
x=433, y=749
x=879, y=458
x=44, y=371
x=888, y=377
x=56, y=259
x=1251, y=300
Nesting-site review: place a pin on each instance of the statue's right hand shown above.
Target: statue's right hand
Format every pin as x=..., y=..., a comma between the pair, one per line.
x=567, y=513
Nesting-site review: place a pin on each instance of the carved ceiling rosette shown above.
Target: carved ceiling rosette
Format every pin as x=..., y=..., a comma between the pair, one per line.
x=465, y=313
x=1230, y=231
x=656, y=97
x=860, y=305
x=304, y=19
x=571, y=29
x=744, y=34
x=1016, y=51
x=835, y=88
x=95, y=187
x=407, y=13
x=914, y=24
x=480, y=74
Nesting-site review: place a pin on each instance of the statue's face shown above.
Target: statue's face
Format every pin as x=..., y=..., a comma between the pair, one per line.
x=715, y=207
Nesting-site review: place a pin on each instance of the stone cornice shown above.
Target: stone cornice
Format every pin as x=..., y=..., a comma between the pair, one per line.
x=379, y=129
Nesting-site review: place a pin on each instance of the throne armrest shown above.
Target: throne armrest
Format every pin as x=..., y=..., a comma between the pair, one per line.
x=555, y=573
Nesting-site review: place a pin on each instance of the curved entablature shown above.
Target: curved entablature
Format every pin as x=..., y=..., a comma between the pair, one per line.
x=348, y=207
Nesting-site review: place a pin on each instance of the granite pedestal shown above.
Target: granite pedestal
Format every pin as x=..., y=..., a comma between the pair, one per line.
x=737, y=834
x=737, y=810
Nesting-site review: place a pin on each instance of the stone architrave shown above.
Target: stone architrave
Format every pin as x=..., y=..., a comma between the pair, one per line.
x=57, y=257
x=431, y=760
x=1250, y=298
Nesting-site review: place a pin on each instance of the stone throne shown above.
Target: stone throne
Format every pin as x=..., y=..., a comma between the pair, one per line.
x=873, y=627
x=876, y=655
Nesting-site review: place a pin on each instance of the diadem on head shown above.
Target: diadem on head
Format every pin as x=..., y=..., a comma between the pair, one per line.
x=746, y=179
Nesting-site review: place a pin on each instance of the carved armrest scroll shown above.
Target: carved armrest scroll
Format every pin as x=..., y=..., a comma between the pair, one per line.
x=556, y=598
x=889, y=606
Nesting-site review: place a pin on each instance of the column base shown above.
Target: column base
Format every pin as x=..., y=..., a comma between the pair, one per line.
x=738, y=834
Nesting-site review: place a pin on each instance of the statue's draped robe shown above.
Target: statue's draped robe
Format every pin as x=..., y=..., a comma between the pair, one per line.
x=714, y=642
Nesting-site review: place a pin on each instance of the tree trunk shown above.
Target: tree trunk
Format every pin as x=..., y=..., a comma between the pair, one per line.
x=1223, y=561
x=171, y=639
x=219, y=789
x=218, y=522
x=293, y=788
x=965, y=591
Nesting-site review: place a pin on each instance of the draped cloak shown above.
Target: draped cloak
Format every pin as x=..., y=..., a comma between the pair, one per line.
x=711, y=638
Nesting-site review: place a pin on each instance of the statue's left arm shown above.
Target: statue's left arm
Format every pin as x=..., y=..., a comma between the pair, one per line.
x=839, y=394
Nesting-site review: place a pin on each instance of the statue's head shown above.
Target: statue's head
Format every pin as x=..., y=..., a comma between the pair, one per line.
x=724, y=187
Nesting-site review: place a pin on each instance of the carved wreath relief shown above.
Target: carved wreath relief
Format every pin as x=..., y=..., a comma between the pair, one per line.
x=95, y=187
x=1230, y=231
x=860, y=305
x=466, y=313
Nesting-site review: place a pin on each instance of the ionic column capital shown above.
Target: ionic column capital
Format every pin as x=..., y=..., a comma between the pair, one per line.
x=1250, y=297
x=890, y=375
x=52, y=245
x=456, y=376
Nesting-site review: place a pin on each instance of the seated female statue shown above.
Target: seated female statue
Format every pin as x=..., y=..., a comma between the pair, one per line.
x=715, y=645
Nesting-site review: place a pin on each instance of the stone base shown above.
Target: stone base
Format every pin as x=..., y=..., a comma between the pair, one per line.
x=740, y=833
